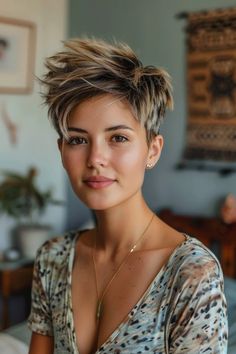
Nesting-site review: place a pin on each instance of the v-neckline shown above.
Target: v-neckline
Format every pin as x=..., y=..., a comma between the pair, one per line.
x=133, y=310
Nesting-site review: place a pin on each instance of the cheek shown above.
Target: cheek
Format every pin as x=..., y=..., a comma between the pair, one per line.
x=133, y=160
x=71, y=162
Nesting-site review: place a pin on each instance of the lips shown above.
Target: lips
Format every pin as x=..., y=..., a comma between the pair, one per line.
x=98, y=182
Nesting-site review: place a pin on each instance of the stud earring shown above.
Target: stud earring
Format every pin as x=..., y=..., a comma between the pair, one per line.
x=149, y=166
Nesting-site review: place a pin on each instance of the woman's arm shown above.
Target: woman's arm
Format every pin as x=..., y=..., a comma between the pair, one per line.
x=41, y=344
x=40, y=322
x=199, y=320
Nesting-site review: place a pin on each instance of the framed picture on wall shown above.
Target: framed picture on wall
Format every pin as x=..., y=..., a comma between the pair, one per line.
x=17, y=56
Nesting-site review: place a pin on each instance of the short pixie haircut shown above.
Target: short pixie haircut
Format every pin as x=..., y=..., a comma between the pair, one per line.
x=89, y=67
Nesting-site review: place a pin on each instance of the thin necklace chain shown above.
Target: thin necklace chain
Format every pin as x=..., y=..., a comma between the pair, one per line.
x=100, y=301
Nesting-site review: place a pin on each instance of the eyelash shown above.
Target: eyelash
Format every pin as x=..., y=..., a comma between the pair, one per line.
x=76, y=140
x=81, y=141
x=121, y=138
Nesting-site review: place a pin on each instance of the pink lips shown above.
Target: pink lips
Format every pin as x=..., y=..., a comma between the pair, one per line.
x=98, y=182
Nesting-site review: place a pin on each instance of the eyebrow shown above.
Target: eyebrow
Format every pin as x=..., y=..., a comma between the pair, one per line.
x=113, y=128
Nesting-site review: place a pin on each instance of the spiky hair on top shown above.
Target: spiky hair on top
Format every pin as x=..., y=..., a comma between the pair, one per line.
x=89, y=67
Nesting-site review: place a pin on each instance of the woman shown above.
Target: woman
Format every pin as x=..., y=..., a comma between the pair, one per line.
x=132, y=284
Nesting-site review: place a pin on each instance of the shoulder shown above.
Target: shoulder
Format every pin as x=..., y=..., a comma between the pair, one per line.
x=53, y=261
x=197, y=310
x=195, y=263
x=57, y=249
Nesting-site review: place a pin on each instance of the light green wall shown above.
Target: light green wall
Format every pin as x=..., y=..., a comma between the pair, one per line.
x=151, y=28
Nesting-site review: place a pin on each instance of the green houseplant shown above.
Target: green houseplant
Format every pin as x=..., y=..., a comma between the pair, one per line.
x=23, y=200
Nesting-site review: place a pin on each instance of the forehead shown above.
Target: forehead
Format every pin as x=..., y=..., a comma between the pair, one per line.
x=106, y=108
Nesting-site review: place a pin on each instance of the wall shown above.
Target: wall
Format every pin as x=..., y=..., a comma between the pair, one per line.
x=36, y=139
x=152, y=29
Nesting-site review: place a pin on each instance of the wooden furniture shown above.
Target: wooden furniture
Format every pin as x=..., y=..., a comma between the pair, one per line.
x=15, y=277
x=211, y=231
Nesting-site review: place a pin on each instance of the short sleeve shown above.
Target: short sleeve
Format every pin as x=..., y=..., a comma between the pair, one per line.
x=198, y=323
x=40, y=317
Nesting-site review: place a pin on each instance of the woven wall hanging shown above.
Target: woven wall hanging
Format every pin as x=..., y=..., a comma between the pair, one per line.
x=211, y=85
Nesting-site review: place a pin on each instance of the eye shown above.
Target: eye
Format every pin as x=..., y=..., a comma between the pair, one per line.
x=119, y=139
x=77, y=140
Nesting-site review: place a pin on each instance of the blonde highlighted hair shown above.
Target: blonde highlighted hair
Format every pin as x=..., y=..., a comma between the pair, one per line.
x=91, y=67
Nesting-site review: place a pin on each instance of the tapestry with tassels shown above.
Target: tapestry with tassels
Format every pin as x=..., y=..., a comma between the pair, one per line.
x=211, y=85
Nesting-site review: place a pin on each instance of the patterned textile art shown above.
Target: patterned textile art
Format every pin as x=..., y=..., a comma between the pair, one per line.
x=211, y=85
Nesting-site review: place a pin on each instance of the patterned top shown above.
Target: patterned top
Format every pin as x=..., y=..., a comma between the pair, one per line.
x=182, y=311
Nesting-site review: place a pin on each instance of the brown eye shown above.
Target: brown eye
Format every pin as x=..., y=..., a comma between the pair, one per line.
x=76, y=140
x=119, y=138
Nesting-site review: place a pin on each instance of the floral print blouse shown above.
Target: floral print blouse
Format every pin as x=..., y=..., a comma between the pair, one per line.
x=182, y=311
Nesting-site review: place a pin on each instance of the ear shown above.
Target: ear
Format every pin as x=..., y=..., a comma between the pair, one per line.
x=154, y=151
x=59, y=143
x=60, y=147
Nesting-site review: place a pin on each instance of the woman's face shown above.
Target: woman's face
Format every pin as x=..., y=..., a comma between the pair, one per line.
x=106, y=154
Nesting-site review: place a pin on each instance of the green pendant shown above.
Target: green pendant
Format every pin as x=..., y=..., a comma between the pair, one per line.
x=99, y=310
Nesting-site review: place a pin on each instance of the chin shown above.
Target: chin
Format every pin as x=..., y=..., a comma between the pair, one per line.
x=100, y=204
x=105, y=199
x=101, y=201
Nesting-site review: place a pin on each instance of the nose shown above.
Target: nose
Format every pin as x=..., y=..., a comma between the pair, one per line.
x=97, y=155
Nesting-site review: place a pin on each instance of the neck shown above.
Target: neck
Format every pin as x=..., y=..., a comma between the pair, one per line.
x=118, y=229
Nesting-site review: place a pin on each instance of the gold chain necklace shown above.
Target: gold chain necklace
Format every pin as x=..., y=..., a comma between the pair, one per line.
x=100, y=301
